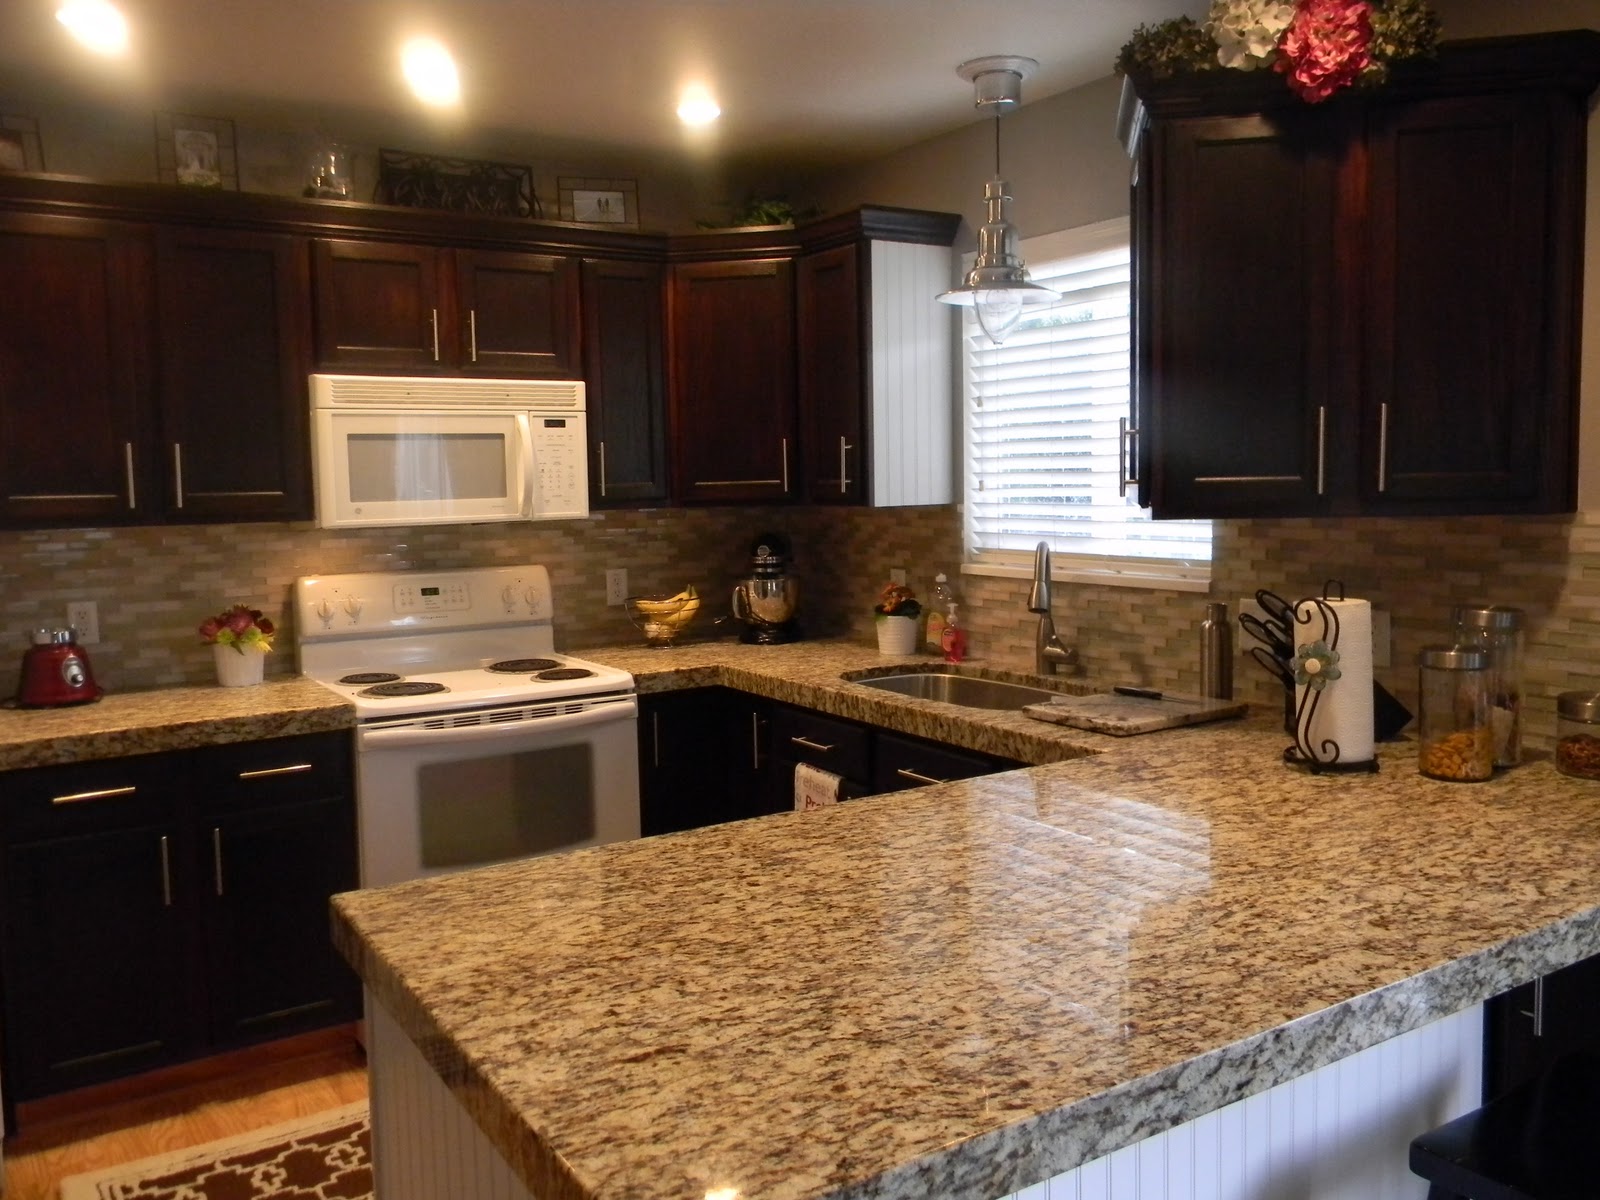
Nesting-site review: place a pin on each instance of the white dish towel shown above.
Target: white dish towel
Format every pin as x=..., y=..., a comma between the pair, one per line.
x=814, y=787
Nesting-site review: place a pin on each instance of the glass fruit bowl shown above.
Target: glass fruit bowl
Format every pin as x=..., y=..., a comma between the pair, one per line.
x=662, y=619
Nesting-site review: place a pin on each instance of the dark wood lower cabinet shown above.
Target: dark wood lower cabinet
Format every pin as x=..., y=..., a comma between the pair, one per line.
x=163, y=907
x=711, y=755
x=1530, y=1027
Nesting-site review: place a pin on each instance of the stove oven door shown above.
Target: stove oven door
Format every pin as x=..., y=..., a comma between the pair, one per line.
x=436, y=800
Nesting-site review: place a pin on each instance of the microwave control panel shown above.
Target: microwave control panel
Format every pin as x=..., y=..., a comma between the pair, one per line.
x=560, y=466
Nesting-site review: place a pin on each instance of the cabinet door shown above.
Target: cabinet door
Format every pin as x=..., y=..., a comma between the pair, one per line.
x=275, y=838
x=1528, y=1028
x=622, y=343
x=234, y=354
x=732, y=333
x=1244, y=347
x=1475, y=206
x=74, y=324
x=516, y=314
x=904, y=762
x=833, y=403
x=379, y=306
x=683, y=757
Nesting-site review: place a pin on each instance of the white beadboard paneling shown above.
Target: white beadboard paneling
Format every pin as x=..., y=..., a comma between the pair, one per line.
x=1339, y=1133
x=912, y=406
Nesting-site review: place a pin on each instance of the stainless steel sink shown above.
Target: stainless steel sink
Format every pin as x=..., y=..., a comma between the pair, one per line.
x=960, y=689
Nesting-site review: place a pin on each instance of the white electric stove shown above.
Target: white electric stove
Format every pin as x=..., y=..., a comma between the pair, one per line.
x=476, y=742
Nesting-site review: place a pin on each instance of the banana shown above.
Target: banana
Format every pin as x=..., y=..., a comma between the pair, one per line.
x=688, y=599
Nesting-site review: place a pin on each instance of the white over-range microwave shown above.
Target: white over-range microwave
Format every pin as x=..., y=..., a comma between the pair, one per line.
x=396, y=450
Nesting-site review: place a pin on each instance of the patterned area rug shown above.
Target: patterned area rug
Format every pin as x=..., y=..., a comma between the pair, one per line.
x=321, y=1157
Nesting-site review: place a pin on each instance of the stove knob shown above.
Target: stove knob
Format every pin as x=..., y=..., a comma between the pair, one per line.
x=352, y=605
x=534, y=602
x=325, y=611
x=508, y=597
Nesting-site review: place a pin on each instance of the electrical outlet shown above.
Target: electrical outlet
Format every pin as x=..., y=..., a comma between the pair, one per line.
x=897, y=574
x=616, y=585
x=84, y=616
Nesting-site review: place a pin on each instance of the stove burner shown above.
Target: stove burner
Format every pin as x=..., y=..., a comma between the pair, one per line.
x=365, y=677
x=521, y=666
x=410, y=687
x=565, y=673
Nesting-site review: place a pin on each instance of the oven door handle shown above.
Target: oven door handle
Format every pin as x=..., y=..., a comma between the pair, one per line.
x=604, y=714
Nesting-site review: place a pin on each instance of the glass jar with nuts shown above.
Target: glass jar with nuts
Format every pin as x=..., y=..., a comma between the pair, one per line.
x=1455, y=735
x=1578, y=734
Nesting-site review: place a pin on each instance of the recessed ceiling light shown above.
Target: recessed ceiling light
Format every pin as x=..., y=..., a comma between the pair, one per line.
x=431, y=71
x=98, y=24
x=696, y=107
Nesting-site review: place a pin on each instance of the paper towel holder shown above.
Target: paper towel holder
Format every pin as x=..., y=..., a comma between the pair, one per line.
x=1316, y=665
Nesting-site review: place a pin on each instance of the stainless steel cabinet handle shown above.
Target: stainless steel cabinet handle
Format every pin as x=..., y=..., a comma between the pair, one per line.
x=166, y=873
x=844, y=471
x=907, y=773
x=1383, y=447
x=102, y=794
x=755, y=741
x=1125, y=477
x=655, y=739
x=809, y=744
x=267, y=772
x=1538, y=1007
x=1322, y=448
x=602, y=469
x=127, y=466
x=435, y=320
x=785, y=442
x=177, y=470
x=472, y=333
x=216, y=857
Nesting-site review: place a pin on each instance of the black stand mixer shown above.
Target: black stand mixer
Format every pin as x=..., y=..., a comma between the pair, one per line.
x=766, y=601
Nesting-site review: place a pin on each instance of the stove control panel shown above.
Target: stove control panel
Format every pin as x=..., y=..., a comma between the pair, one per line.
x=429, y=597
x=332, y=607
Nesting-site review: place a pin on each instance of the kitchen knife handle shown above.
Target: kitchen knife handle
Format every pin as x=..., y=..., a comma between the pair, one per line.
x=216, y=858
x=177, y=470
x=127, y=465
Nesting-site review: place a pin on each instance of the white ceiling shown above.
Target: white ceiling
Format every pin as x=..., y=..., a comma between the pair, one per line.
x=804, y=84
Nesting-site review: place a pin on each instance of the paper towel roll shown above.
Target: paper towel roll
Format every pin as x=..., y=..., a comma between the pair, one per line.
x=1344, y=711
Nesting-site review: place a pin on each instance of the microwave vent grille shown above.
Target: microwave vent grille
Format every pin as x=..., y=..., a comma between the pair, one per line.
x=389, y=391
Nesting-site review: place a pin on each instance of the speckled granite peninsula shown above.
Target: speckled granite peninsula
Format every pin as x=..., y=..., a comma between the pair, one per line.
x=962, y=990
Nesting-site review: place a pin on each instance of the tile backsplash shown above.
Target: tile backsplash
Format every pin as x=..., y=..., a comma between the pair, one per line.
x=153, y=585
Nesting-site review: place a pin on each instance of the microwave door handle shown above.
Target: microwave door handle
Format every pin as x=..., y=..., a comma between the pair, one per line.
x=623, y=709
x=530, y=466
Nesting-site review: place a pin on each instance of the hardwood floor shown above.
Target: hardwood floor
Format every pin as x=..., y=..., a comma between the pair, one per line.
x=102, y=1127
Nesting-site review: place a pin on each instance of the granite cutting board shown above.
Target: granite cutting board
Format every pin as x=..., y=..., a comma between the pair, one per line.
x=1123, y=716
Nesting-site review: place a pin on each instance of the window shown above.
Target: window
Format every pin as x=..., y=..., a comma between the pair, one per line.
x=1042, y=433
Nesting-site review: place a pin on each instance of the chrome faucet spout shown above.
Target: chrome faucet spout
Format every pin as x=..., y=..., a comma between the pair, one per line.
x=1048, y=652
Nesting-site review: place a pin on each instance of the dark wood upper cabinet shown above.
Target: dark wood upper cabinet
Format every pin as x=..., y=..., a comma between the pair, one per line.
x=392, y=306
x=517, y=314
x=1366, y=306
x=74, y=339
x=733, y=381
x=832, y=376
x=234, y=353
x=623, y=343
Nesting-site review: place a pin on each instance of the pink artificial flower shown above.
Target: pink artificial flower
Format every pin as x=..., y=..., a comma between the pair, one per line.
x=239, y=619
x=1326, y=47
x=209, y=628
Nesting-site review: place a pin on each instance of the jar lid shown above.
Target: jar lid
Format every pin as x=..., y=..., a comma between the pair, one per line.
x=1499, y=617
x=1454, y=658
x=1579, y=706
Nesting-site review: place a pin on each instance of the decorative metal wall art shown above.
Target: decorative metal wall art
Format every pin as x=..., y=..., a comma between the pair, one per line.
x=461, y=185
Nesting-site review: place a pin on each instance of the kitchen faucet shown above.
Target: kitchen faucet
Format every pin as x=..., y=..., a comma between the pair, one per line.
x=1048, y=652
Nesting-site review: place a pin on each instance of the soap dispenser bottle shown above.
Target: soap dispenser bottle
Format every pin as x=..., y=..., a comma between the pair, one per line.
x=954, y=639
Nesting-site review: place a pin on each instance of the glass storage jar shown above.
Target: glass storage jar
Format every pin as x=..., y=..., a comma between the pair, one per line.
x=1578, y=734
x=1455, y=740
x=1497, y=628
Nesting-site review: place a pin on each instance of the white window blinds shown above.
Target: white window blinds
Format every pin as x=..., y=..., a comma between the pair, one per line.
x=1042, y=421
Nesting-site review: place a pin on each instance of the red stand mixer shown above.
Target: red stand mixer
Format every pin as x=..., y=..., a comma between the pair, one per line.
x=55, y=671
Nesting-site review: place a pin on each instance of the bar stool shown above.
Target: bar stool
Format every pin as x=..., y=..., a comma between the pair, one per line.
x=1540, y=1141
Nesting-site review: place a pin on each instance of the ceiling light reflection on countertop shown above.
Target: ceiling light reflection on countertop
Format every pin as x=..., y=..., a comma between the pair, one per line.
x=697, y=107
x=98, y=24
x=431, y=71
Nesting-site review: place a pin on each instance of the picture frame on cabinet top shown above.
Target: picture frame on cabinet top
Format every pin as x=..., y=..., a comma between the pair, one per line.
x=194, y=151
x=612, y=203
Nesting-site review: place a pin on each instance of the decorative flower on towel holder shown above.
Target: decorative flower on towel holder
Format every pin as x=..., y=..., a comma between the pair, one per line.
x=1316, y=665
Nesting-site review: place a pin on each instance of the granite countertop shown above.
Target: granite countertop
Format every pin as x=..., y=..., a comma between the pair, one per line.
x=167, y=719
x=964, y=989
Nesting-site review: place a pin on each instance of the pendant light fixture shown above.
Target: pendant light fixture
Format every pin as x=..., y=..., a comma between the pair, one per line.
x=997, y=286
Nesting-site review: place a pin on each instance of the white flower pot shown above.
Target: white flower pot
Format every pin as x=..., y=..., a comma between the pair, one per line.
x=896, y=635
x=236, y=669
